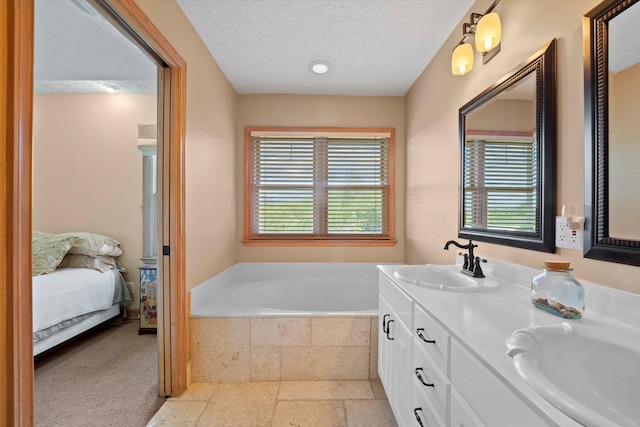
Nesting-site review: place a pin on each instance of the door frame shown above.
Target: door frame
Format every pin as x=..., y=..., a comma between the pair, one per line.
x=16, y=56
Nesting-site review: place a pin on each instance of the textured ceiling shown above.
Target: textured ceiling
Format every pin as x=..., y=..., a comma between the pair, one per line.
x=624, y=43
x=77, y=50
x=374, y=47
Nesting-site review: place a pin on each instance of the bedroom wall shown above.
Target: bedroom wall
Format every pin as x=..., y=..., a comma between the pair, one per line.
x=210, y=148
x=87, y=173
x=322, y=111
x=433, y=152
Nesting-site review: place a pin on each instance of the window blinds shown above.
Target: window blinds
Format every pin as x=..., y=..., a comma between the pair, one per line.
x=500, y=186
x=319, y=188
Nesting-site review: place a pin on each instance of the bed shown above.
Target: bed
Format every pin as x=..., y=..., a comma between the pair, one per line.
x=81, y=292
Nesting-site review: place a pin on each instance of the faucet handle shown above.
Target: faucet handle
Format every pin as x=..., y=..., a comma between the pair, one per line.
x=477, y=270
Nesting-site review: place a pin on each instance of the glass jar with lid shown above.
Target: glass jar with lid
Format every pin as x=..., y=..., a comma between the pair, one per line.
x=557, y=291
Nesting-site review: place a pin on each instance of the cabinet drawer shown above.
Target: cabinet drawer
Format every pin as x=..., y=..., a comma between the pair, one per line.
x=423, y=413
x=491, y=400
x=400, y=302
x=461, y=414
x=432, y=337
x=433, y=383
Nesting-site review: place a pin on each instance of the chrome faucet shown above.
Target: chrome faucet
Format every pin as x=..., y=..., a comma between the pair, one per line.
x=471, y=264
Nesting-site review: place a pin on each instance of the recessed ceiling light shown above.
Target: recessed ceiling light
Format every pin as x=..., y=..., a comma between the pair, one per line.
x=319, y=67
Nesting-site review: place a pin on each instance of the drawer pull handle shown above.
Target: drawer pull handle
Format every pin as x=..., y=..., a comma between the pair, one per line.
x=415, y=412
x=420, y=332
x=384, y=323
x=422, y=379
x=389, y=329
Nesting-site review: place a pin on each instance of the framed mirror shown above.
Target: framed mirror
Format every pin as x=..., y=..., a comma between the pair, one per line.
x=612, y=132
x=508, y=171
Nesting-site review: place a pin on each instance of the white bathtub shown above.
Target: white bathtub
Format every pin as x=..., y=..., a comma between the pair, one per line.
x=288, y=290
x=286, y=322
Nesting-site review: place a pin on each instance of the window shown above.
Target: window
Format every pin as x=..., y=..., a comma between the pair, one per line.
x=319, y=186
x=500, y=185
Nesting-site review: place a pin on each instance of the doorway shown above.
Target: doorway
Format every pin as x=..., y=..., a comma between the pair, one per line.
x=17, y=45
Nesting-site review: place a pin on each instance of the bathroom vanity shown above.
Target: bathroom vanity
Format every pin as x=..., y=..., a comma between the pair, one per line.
x=443, y=356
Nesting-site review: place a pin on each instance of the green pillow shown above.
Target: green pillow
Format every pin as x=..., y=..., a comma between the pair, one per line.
x=48, y=251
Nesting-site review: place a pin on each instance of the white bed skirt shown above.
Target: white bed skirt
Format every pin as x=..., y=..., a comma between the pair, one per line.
x=75, y=329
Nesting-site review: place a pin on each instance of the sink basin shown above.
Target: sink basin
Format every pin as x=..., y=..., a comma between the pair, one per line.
x=445, y=277
x=590, y=374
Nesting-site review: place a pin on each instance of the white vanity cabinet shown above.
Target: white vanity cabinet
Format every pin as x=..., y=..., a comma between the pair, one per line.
x=394, y=349
x=431, y=379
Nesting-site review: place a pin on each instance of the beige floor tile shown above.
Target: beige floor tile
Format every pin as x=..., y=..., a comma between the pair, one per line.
x=340, y=331
x=369, y=413
x=324, y=363
x=241, y=405
x=378, y=389
x=198, y=392
x=175, y=413
x=325, y=413
x=325, y=390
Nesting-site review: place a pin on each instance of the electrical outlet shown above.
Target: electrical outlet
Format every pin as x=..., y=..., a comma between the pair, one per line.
x=566, y=236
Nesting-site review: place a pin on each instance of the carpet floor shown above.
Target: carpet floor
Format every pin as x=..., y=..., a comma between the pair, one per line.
x=109, y=378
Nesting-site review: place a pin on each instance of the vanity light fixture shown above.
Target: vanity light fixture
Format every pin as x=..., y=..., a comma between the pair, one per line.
x=487, y=31
x=319, y=67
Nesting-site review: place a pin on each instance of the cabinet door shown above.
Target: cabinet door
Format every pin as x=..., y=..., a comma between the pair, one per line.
x=487, y=396
x=384, y=345
x=461, y=414
x=401, y=373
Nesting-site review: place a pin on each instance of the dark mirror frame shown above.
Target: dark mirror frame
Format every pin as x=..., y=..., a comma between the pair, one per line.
x=597, y=242
x=543, y=63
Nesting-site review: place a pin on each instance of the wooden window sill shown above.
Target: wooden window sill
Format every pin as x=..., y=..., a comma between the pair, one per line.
x=327, y=242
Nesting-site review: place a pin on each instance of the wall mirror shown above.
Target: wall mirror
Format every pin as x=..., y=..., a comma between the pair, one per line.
x=612, y=131
x=508, y=172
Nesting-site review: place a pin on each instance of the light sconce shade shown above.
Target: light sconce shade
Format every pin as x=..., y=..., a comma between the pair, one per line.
x=488, y=32
x=462, y=59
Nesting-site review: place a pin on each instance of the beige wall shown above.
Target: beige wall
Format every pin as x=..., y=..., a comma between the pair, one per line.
x=210, y=148
x=322, y=111
x=624, y=152
x=433, y=152
x=87, y=173
x=506, y=115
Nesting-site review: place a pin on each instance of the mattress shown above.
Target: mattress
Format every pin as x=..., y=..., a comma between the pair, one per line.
x=70, y=295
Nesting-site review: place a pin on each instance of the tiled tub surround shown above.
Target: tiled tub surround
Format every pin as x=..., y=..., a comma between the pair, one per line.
x=479, y=325
x=235, y=341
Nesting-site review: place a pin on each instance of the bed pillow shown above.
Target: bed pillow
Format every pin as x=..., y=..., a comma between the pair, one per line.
x=93, y=244
x=49, y=251
x=101, y=263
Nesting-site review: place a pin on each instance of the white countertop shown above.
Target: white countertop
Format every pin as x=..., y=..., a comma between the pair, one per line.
x=482, y=321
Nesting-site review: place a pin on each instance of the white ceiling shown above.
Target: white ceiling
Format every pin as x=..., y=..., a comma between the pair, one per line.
x=76, y=50
x=624, y=49
x=375, y=47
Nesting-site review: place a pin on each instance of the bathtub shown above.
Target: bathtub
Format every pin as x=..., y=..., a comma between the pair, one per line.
x=288, y=289
x=286, y=322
